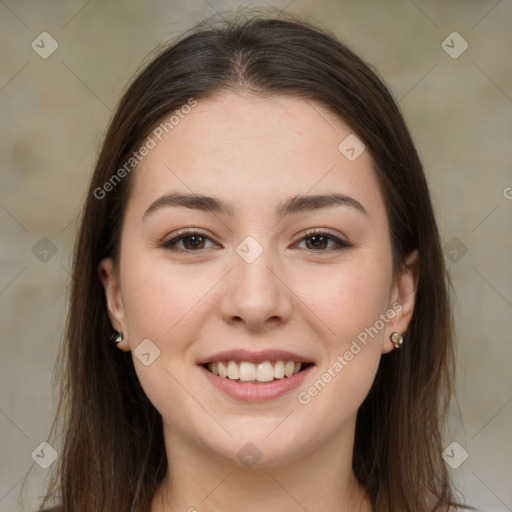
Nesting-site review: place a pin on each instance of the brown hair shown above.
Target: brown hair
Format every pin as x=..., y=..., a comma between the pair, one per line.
x=104, y=410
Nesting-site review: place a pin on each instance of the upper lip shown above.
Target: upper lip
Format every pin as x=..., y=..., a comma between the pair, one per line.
x=254, y=357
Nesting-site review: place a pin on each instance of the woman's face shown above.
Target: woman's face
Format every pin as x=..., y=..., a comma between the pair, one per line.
x=253, y=279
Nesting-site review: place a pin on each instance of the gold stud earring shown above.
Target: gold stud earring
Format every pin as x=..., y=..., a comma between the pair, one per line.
x=397, y=339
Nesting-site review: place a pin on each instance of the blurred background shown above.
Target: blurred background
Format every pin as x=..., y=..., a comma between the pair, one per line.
x=64, y=67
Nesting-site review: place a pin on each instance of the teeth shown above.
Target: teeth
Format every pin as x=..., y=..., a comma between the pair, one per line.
x=250, y=372
x=233, y=371
x=265, y=372
x=279, y=370
x=247, y=371
x=289, y=368
x=223, y=369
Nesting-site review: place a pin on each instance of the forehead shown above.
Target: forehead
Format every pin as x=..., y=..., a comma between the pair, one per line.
x=253, y=151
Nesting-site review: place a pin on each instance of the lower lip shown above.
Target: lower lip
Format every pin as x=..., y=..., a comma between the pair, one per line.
x=256, y=392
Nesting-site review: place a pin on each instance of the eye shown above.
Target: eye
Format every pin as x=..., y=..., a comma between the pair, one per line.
x=193, y=241
x=317, y=240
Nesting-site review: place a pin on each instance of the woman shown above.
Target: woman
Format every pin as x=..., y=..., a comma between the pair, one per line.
x=259, y=246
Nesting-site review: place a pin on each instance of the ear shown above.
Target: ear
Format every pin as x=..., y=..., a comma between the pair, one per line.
x=110, y=280
x=403, y=298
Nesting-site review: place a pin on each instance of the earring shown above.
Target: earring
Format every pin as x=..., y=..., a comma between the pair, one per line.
x=116, y=337
x=397, y=339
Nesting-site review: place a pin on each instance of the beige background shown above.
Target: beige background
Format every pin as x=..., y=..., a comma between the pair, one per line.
x=54, y=112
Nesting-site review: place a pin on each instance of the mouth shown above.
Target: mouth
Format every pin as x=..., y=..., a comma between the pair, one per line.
x=256, y=373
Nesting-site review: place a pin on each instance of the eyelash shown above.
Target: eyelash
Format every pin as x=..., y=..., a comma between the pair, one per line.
x=168, y=244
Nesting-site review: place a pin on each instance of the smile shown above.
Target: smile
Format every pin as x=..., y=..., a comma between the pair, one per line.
x=248, y=372
x=254, y=390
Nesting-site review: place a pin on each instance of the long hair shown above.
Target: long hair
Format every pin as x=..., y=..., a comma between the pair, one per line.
x=113, y=454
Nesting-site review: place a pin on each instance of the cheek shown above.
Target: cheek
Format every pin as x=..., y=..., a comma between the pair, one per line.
x=169, y=306
x=159, y=297
x=348, y=297
x=352, y=304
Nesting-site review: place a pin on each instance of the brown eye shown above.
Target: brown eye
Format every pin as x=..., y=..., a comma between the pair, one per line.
x=191, y=242
x=319, y=241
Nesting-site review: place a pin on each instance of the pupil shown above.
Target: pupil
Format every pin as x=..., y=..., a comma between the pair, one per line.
x=317, y=240
x=197, y=242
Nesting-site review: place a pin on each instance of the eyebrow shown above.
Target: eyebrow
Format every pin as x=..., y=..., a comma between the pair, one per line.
x=292, y=205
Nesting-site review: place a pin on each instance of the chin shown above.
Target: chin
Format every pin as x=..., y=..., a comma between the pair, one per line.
x=255, y=448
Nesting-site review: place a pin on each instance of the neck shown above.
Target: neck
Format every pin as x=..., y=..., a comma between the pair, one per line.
x=198, y=480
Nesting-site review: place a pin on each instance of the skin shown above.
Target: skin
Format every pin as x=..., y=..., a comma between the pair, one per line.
x=256, y=152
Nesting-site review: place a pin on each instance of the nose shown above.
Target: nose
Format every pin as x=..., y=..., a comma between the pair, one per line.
x=256, y=294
